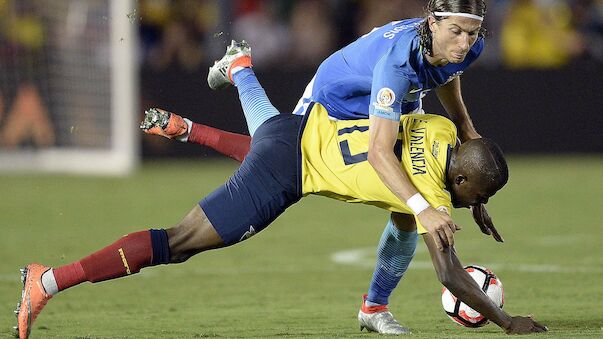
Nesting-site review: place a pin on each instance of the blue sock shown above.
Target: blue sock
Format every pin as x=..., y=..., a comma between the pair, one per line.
x=161, y=247
x=256, y=105
x=396, y=250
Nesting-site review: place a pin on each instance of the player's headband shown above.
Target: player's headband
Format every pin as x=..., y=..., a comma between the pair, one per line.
x=466, y=15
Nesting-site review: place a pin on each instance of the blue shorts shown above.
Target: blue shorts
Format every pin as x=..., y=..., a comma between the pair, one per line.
x=268, y=181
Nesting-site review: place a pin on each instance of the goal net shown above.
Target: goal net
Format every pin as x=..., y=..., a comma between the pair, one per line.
x=68, y=87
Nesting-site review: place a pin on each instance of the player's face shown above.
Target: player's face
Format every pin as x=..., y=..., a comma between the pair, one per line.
x=466, y=193
x=453, y=37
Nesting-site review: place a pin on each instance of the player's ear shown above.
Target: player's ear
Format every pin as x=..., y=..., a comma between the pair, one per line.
x=433, y=23
x=459, y=179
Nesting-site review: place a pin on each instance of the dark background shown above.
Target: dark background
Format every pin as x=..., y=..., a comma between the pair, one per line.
x=524, y=111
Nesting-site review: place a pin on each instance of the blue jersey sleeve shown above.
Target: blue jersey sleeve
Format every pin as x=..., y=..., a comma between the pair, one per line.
x=390, y=85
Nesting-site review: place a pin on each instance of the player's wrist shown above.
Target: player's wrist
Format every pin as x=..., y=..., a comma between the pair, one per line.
x=417, y=203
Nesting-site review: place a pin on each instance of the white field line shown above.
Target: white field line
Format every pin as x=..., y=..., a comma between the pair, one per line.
x=359, y=258
x=365, y=258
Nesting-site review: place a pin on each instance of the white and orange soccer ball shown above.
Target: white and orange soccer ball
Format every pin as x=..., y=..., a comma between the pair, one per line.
x=464, y=315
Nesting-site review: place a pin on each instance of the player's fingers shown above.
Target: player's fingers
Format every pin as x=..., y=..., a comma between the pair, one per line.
x=449, y=234
x=479, y=220
x=485, y=216
x=490, y=225
x=436, y=238
x=496, y=235
x=539, y=328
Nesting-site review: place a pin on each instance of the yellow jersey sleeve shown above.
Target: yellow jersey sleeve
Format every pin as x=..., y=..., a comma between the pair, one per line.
x=334, y=160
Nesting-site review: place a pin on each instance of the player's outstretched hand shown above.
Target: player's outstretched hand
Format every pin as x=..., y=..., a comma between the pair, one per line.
x=483, y=220
x=525, y=325
x=440, y=226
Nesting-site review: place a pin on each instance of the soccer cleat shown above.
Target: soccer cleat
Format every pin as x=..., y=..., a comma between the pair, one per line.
x=33, y=298
x=237, y=55
x=379, y=319
x=160, y=122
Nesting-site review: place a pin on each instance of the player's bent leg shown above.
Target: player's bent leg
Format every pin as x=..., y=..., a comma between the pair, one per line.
x=395, y=251
x=261, y=189
x=257, y=108
x=194, y=234
x=126, y=256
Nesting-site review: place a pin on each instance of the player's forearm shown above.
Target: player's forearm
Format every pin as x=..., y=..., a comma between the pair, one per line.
x=463, y=123
x=383, y=136
x=463, y=287
x=452, y=100
x=451, y=274
x=388, y=167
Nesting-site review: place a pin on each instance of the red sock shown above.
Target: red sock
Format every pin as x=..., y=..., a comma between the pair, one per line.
x=124, y=257
x=233, y=145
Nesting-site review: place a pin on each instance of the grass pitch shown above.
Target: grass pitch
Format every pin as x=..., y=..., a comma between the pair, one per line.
x=305, y=274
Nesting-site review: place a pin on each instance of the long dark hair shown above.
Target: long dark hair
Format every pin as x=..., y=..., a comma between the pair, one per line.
x=477, y=7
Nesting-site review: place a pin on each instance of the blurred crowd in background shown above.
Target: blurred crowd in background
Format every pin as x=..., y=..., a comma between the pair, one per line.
x=300, y=33
x=49, y=48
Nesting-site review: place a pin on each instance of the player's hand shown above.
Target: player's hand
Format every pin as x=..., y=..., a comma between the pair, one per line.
x=440, y=226
x=483, y=220
x=525, y=325
x=469, y=134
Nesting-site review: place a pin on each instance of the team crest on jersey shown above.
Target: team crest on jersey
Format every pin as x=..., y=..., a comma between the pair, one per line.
x=386, y=97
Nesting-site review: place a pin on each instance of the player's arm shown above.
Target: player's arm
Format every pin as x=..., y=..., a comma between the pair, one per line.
x=173, y=126
x=383, y=135
x=452, y=100
x=389, y=87
x=451, y=274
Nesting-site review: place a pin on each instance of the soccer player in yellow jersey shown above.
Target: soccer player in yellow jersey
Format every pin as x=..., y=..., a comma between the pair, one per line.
x=292, y=156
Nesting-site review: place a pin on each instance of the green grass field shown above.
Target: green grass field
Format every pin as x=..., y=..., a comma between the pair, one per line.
x=284, y=282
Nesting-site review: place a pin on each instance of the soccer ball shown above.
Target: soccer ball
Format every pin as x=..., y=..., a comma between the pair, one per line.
x=464, y=315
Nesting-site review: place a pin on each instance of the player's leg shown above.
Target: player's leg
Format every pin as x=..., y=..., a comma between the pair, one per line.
x=235, y=68
x=261, y=189
x=395, y=252
x=173, y=126
x=126, y=256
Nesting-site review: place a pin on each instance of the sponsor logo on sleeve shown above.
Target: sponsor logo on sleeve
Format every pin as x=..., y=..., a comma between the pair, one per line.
x=386, y=97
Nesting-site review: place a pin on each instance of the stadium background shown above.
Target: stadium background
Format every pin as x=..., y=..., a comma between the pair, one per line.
x=536, y=91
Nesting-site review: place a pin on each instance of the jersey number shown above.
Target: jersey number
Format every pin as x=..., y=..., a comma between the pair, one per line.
x=349, y=158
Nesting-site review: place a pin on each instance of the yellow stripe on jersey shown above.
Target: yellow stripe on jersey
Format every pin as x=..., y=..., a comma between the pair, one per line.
x=334, y=160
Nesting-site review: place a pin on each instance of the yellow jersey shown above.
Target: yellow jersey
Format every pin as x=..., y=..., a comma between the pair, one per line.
x=334, y=160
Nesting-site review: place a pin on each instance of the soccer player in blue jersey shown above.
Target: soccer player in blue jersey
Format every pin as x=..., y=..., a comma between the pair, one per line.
x=292, y=156
x=381, y=76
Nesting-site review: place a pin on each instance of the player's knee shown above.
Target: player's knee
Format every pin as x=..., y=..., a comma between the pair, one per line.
x=192, y=235
x=404, y=222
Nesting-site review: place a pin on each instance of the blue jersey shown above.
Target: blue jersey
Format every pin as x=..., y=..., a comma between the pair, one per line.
x=383, y=73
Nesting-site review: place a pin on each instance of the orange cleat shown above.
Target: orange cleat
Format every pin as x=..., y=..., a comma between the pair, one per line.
x=160, y=122
x=33, y=298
